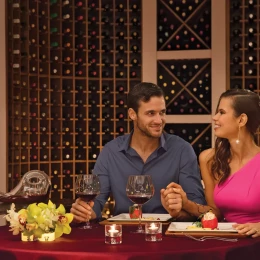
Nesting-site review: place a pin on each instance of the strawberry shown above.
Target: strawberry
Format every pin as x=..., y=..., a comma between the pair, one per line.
x=209, y=220
x=134, y=212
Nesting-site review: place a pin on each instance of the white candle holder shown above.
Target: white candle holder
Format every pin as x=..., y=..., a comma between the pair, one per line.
x=113, y=234
x=153, y=231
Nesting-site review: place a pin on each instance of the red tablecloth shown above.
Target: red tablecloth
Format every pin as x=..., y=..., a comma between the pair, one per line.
x=89, y=244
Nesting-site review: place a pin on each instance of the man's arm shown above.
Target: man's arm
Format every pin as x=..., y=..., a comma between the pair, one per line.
x=101, y=169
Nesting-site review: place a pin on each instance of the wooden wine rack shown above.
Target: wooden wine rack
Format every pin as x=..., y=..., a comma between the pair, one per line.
x=243, y=46
x=184, y=26
x=61, y=110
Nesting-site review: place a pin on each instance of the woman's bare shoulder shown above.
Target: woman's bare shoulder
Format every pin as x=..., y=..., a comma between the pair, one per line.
x=206, y=155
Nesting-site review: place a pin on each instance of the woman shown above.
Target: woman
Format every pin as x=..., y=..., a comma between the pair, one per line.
x=230, y=171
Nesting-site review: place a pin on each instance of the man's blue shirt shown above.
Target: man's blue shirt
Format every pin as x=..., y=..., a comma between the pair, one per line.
x=173, y=161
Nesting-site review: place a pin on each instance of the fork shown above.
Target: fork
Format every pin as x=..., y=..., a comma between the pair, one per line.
x=212, y=237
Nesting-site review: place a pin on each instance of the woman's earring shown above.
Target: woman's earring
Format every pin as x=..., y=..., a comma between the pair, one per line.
x=238, y=139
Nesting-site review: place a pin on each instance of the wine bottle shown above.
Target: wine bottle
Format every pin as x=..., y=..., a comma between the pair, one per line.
x=135, y=8
x=79, y=60
x=105, y=34
x=236, y=32
x=66, y=30
x=66, y=16
x=93, y=116
x=135, y=21
x=106, y=130
x=120, y=102
x=120, y=130
x=252, y=45
x=134, y=48
x=66, y=143
x=54, y=44
x=133, y=74
x=251, y=72
x=120, y=62
x=120, y=116
x=236, y=46
x=105, y=20
x=106, y=48
x=105, y=73
x=251, y=31
x=120, y=35
x=135, y=35
x=120, y=88
x=93, y=73
x=134, y=62
x=79, y=72
x=106, y=7
x=79, y=116
x=79, y=4
x=236, y=60
x=120, y=48
x=79, y=129
x=251, y=59
x=105, y=102
x=79, y=88
x=120, y=8
x=120, y=21
x=53, y=15
x=120, y=74
x=79, y=143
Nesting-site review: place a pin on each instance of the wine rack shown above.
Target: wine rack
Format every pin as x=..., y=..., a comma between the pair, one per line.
x=198, y=135
x=183, y=25
x=70, y=67
x=186, y=26
x=243, y=43
x=187, y=85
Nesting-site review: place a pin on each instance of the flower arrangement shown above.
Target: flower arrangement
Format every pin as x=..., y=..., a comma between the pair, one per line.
x=38, y=219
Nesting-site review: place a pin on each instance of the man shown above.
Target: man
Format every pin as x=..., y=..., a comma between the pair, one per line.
x=146, y=150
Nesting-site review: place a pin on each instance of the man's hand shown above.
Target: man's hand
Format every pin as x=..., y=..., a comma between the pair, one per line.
x=171, y=199
x=82, y=211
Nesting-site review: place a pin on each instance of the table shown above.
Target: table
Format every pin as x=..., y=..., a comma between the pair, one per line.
x=89, y=244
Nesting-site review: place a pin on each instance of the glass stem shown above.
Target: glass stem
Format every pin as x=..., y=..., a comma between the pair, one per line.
x=140, y=216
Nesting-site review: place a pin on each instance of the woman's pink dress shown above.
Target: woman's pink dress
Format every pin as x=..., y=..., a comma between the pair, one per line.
x=239, y=197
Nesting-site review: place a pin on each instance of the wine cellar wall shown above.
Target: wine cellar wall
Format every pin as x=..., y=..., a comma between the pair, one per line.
x=70, y=66
x=244, y=49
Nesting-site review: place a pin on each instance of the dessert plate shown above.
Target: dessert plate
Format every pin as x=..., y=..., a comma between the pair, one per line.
x=189, y=227
x=146, y=217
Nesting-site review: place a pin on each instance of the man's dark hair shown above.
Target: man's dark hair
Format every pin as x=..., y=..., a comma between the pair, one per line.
x=142, y=92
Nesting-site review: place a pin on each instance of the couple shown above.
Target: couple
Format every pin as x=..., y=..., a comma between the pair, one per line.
x=230, y=171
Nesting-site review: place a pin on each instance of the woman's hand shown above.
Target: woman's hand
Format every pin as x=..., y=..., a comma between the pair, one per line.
x=178, y=190
x=248, y=229
x=82, y=211
x=171, y=199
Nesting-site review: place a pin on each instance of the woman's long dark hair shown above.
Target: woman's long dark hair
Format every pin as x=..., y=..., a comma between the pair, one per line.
x=243, y=101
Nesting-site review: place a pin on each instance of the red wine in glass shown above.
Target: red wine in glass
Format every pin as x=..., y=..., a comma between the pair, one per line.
x=87, y=187
x=139, y=189
x=137, y=199
x=87, y=197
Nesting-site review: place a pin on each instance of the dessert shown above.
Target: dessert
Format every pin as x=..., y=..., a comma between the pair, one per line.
x=209, y=220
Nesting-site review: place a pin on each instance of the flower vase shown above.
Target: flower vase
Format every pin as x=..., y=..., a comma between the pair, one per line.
x=28, y=238
x=46, y=237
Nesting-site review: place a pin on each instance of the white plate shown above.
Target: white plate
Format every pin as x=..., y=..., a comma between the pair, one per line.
x=182, y=226
x=146, y=217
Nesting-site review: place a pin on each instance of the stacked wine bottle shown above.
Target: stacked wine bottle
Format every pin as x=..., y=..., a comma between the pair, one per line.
x=71, y=65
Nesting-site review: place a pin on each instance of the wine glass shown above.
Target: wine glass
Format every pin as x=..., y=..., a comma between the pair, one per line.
x=139, y=189
x=87, y=187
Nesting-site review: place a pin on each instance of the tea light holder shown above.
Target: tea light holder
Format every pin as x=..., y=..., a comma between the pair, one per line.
x=113, y=234
x=153, y=231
